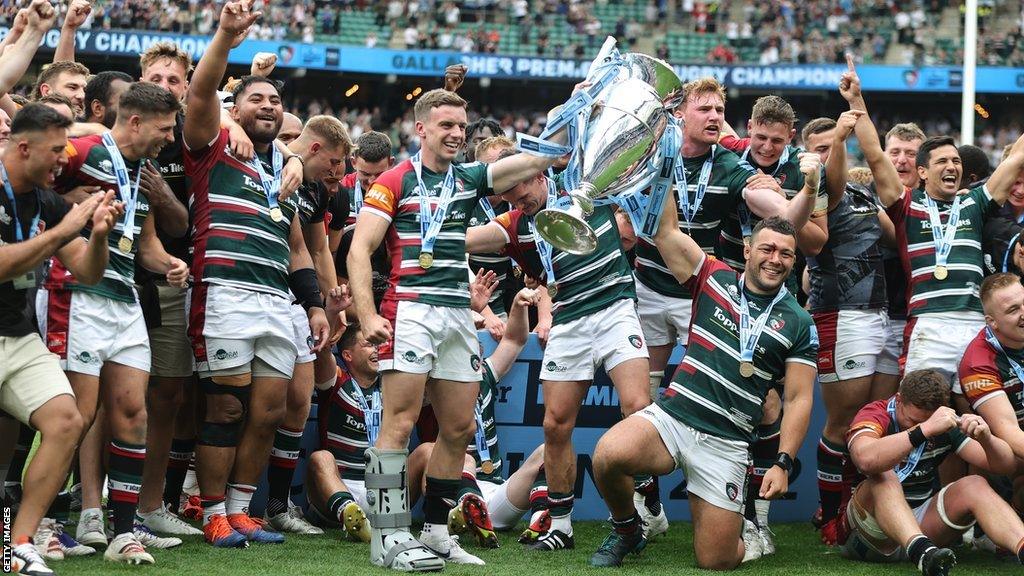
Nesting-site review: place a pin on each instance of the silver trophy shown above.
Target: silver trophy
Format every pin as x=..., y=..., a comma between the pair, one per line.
x=619, y=150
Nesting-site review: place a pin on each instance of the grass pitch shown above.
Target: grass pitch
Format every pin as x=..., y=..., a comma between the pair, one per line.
x=799, y=554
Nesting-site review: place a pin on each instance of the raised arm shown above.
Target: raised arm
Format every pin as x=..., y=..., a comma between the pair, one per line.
x=835, y=166
x=202, y=121
x=681, y=254
x=766, y=203
x=40, y=17
x=887, y=180
x=507, y=172
x=516, y=332
x=485, y=239
x=1000, y=182
x=77, y=12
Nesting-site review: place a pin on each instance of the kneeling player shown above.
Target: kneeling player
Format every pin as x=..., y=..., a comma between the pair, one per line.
x=899, y=443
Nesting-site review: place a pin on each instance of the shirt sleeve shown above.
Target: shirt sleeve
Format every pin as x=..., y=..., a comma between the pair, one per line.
x=872, y=419
x=382, y=198
x=978, y=374
x=897, y=211
x=480, y=175
x=707, y=266
x=805, y=349
x=737, y=145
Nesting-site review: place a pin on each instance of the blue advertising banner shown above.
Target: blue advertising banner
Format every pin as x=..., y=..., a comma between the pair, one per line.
x=520, y=417
x=332, y=57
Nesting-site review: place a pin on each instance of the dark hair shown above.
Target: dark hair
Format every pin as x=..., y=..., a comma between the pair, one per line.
x=348, y=337
x=146, y=98
x=373, y=146
x=816, y=126
x=251, y=80
x=975, y=162
x=925, y=389
x=98, y=87
x=59, y=99
x=924, y=153
x=36, y=117
x=776, y=224
x=489, y=123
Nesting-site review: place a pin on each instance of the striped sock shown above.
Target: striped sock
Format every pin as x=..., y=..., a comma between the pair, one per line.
x=561, y=511
x=182, y=451
x=238, y=498
x=763, y=453
x=336, y=504
x=539, y=492
x=831, y=457
x=647, y=486
x=123, y=480
x=212, y=506
x=284, y=456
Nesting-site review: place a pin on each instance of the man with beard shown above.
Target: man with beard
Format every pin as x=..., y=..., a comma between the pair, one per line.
x=66, y=78
x=36, y=224
x=939, y=235
x=248, y=253
x=748, y=333
x=101, y=96
x=98, y=331
x=323, y=146
x=425, y=328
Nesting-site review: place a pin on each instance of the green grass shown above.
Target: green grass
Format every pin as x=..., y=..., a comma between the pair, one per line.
x=799, y=553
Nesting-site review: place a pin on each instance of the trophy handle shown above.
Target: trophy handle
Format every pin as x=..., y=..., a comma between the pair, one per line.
x=566, y=230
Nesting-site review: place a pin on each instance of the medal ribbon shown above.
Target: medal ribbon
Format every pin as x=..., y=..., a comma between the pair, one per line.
x=271, y=185
x=1018, y=371
x=750, y=332
x=690, y=210
x=482, y=449
x=741, y=209
x=543, y=248
x=34, y=225
x=128, y=191
x=432, y=220
x=907, y=467
x=371, y=411
x=942, y=237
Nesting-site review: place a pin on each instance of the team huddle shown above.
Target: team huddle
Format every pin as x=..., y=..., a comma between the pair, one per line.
x=185, y=268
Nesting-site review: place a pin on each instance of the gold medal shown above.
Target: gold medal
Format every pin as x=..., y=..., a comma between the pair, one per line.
x=941, y=272
x=487, y=466
x=517, y=271
x=125, y=244
x=426, y=260
x=552, y=290
x=746, y=369
x=276, y=215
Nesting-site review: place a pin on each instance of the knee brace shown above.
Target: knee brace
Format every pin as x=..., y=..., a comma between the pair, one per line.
x=224, y=434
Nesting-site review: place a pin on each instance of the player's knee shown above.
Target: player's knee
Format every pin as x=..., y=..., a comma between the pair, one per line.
x=66, y=426
x=268, y=415
x=974, y=485
x=226, y=407
x=320, y=461
x=712, y=560
x=557, y=427
x=133, y=417
x=459, y=430
x=421, y=454
x=166, y=397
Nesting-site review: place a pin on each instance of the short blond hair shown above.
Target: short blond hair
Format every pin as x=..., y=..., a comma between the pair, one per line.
x=500, y=142
x=161, y=50
x=860, y=175
x=331, y=131
x=907, y=131
x=1006, y=151
x=51, y=72
x=772, y=110
x=435, y=99
x=705, y=85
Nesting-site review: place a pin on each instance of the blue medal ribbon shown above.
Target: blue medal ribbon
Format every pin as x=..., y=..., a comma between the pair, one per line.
x=750, y=331
x=482, y=449
x=357, y=197
x=271, y=183
x=485, y=205
x=942, y=237
x=371, y=412
x=127, y=190
x=644, y=211
x=689, y=210
x=34, y=225
x=1018, y=371
x=543, y=248
x=1009, y=250
x=904, y=469
x=432, y=220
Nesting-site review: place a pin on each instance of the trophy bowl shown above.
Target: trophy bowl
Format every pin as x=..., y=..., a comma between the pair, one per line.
x=617, y=153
